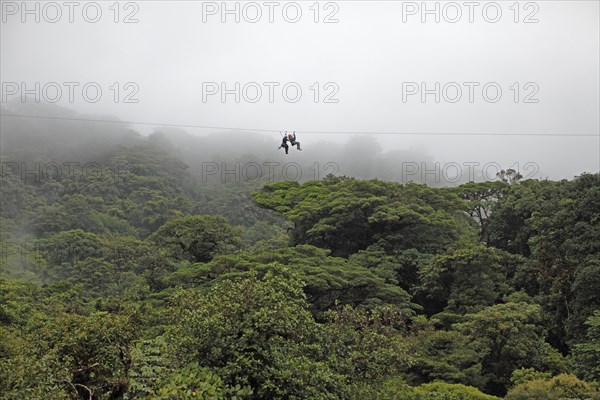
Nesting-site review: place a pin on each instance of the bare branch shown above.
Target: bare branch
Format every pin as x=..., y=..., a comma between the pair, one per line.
x=75, y=385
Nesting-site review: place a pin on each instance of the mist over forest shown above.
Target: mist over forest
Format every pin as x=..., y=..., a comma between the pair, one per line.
x=225, y=155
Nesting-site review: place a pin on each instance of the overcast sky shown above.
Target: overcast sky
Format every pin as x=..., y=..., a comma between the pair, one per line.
x=373, y=61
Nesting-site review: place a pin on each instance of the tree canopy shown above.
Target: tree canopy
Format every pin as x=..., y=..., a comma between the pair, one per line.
x=137, y=280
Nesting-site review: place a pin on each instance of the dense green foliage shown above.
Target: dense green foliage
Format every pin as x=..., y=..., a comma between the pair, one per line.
x=141, y=282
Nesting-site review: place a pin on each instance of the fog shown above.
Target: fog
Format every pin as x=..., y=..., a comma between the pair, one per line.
x=392, y=90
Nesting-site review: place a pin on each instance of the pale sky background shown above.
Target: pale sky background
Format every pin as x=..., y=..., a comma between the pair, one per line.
x=368, y=54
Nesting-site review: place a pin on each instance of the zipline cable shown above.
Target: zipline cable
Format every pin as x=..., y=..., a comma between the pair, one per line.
x=303, y=132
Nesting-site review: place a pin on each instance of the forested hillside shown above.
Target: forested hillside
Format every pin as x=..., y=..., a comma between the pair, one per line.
x=124, y=277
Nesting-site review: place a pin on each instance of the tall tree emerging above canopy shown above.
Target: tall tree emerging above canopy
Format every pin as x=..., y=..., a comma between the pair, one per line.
x=480, y=198
x=347, y=215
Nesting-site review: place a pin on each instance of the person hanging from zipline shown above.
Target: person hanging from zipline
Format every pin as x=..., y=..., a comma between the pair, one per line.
x=292, y=139
x=284, y=144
